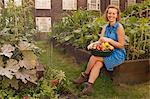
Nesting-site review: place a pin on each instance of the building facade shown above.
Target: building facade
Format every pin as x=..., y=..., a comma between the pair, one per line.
x=47, y=12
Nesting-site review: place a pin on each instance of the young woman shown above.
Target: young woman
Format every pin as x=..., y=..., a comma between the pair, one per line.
x=113, y=32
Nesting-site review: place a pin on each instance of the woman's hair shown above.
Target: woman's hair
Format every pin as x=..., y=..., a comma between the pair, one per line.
x=115, y=7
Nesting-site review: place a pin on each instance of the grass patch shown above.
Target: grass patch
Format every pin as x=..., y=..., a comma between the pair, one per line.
x=103, y=87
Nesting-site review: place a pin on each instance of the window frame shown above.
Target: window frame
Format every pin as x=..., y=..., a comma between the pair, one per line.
x=66, y=7
x=118, y=4
x=130, y=2
x=18, y=4
x=38, y=4
x=5, y=3
x=39, y=22
x=97, y=5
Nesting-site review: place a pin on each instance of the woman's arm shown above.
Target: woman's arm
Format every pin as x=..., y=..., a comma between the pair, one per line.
x=121, y=38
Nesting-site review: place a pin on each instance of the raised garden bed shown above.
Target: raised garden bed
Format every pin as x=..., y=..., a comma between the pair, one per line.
x=130, y=72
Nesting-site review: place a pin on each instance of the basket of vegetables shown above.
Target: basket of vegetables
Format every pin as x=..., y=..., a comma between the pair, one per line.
x=102, y=50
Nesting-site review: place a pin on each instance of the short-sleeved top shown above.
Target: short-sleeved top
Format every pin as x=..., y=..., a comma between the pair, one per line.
x=119, y=54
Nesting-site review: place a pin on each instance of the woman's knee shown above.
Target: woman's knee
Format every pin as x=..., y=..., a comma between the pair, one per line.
x=93, y=58
x=99, y=64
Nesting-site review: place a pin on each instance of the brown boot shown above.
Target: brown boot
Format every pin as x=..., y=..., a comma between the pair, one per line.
x=88, y=89
x=83, y=78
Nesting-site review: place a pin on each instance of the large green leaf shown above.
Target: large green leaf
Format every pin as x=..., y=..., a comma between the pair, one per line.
x=7, y=50
x=14, y=83
x=29, y=60
x=5, y=82
x=11, y=67
x=5, y=30
x=67, y=38
x=6, y=72
x=23, y=45
x=27, y=75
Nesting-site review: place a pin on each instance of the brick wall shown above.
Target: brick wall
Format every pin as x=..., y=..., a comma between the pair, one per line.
x=43, y=12
x=82, y=4
x=122, y=4
x=56, y=10
x=139, y=1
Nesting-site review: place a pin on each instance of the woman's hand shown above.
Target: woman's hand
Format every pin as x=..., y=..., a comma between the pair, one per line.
x=92, y=45
x=105, y=39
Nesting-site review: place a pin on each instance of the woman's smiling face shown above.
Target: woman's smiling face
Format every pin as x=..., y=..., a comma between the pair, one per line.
x=112, y=14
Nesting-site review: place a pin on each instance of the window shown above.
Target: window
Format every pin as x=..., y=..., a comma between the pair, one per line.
x=5, y=2
x=43, y=4
x=17, y=2
x=43, y=24
x=115, y=2
x=69, y=4
x=129, y=2
x=93, y=5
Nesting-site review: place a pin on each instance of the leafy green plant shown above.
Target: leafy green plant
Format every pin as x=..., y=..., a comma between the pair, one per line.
x=45, y=87
x=80, y=35
x=18, y=59
x=137, y=9
x=80, y=28
x=138, y=32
